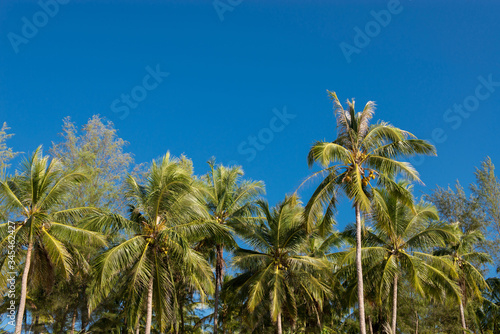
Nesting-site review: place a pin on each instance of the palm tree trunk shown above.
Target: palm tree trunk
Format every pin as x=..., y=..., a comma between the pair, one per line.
x=137, y=327
x=416, y=322
x=36, y=330
x=149, y=305
x=176, y=304
x=73, y=322
x=181, y=310
x=278, y=323
x=370, y=325
x=24, y=289
x=218, y=280
x=359, y=272
x=394, y=303
x=60, y=320
x=138, y=323
x=224, y=327
x=84, y=317
x=462, y=317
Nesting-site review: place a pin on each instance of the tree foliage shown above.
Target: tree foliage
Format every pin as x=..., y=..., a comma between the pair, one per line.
x=6, y=153
x=101, y=247
x=98, y=151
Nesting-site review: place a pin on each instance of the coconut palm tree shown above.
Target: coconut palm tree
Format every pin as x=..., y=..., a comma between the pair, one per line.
x=166, y=220
x=360, y=153
x=466, y=258
x=491, y=305
x=42, y=232
x=231, y=202
x=394, y=248
x=315, y=311
x=276, y=271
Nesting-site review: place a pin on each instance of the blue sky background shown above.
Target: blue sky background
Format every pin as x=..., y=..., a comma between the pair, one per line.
x=227, y=75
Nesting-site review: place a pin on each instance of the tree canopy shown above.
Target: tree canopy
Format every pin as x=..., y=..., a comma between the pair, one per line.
x=101, y=245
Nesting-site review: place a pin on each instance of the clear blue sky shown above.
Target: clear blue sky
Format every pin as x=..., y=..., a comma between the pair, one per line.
x=231, y=66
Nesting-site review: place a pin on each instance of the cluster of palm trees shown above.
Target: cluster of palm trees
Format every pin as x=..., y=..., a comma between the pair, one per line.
x=151, y=269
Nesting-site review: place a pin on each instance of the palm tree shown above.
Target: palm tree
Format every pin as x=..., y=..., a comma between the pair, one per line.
x=360, y=153
x=393, y=250
x=277, y=269
x=230, y=201
x=491, y=305
x=166, y=219
x=320, y=243
x=465, y=257
x=41, y=232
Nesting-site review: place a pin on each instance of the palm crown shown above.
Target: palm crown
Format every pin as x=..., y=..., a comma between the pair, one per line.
x=277, y=269
x=363, y=152
x=229, y=199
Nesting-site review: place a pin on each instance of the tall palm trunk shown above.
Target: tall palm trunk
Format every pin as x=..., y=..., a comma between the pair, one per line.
x=149, y=305
x=138, y=323
x=462, y=316
x=461, y=305
x=137, y=327
x=278, y=323
x=24, y=289
x=181, y=310
x=84, y=317
x=60, y=320
x=394, y=303
x=176, y=303
x=416, y=322
x=36, y=330
x=359, y=272
x=73, y=321
x=218, y=281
